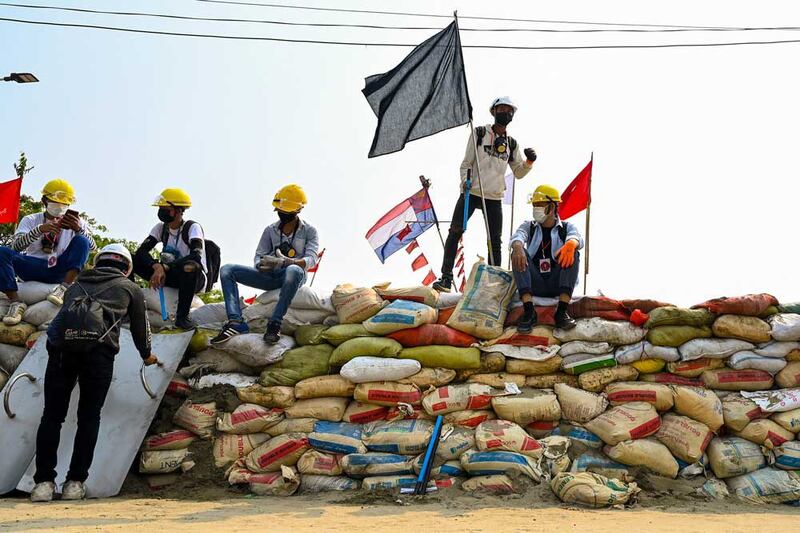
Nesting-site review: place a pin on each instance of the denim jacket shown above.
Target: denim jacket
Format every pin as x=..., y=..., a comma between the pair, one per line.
x=523, y=235
x=305, y=243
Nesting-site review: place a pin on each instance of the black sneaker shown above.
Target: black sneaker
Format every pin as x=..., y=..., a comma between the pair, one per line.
x=564, y=321
x=185, y=323
x=273, y=334
x=229, y=330
x=443, y=284
x=527, y=322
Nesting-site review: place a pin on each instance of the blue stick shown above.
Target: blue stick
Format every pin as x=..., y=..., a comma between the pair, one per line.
x=424, y=473
x=164, y=314
x=467, y=188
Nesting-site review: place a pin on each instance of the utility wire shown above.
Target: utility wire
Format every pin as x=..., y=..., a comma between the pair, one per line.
x=406, y=45
x=438, y=15
x=383, y=27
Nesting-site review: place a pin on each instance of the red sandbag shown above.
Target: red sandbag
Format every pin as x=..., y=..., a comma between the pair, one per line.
x=445, y=314
x=644, y=305
x=671, y=379
x=639, y=318
x=433, y=335
x=600, y=307
x=750, y=305
x=545, y=316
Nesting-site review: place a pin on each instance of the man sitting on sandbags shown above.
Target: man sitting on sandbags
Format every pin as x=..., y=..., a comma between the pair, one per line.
x=545, y=258
x=182, y=263
x=51, y=246
x=287, y=249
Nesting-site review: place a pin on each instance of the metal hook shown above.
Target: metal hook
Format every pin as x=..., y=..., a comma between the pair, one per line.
x=10, y=386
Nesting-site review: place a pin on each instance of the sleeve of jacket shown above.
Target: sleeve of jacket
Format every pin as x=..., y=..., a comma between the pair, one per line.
x=86, y=232
x=140, y=325
x=520, y=166
x=264, y=247
x=522, y=234
x=55, y=331
x=574, y=234
x=312, y=246
x=469, y=157
x=142, y=257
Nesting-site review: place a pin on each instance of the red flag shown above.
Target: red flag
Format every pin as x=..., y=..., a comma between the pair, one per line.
x=419, y=262
x=463, y=285
x=578, y=194
x=316, y=265
x=430, y=278
x=460, y=261
x=250, y=301
x=9, y=201
x=413, y=246
x=461, y=272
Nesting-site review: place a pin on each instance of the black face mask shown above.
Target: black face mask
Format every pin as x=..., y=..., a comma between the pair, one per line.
x=164, y=215
x=285, y=218
x=503, y=118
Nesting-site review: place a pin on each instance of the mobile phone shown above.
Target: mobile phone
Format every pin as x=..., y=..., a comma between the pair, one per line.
x=69, y=212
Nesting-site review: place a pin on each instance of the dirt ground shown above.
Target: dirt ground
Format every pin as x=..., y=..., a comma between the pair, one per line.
x=217, y=508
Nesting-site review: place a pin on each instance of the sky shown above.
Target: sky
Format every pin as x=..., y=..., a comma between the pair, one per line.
x=695, y=178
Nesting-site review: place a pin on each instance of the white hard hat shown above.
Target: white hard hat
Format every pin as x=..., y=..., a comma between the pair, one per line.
x=118, y=250
x=502, y=100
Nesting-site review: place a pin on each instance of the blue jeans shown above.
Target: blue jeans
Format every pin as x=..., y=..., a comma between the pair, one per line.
x=559, y=281
x=14, y=263
x=288, y=280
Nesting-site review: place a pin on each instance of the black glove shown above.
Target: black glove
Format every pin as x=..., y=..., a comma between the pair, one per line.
x=530, y=154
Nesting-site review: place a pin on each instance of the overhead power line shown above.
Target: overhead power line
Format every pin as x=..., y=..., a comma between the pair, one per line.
x=379, y=44
x=378, y=26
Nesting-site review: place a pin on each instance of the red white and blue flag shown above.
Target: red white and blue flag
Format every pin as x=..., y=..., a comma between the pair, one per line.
x=399, y=227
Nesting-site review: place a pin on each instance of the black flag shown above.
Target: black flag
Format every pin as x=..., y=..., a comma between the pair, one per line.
x=425, y=94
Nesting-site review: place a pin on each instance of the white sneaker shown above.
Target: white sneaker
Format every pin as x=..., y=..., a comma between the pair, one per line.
x=56, y=296
x=73, y=490
x=43, y=492
x=14, y=314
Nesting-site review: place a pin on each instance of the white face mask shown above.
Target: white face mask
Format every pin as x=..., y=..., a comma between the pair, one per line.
x=56, y=210
x=540, y=214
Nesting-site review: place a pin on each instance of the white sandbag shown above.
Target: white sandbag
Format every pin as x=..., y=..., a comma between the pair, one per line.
x=161, y=461
x=11, y=356
x=258, y=315
x=366, y=369
x=483, y=309
x=305, y=298
x=601, y=330
x=748, y=359
x=400, y=315
x=153, y=301
x=576, y=347
x=645, y=350
x=448, y=299
x=664, y=353
x=313, y=484
x=251, y=350
x=775, y=401
x=734, y=456
x=209, y=315
x=32, y=292
x=238, y=381
x=527, y=353
x=712, y=348
x=767, y=485
x=785, y=327
x=776, y=349
x=40, y=313
x=157, y=323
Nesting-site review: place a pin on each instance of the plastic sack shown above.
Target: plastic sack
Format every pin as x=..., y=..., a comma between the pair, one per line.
x=675, y=316
x=775, y=401
x=598, y=306
x=361, y=413
x=778, y=349
x=532, y=405
x=656, y=394
x=787, y=456
x=313, y=484
x=11, y=357
x=387, y=393
x=502, y=435
x=592, y=490
x=598, y=463
x=355, y=304
x=298, y=364
x=469, y=418
x=789, y=376
x=548, y=381
x=768, y=485
x=230, y=448
x=699, y=404
x=579, y=363
x=40, y=313
x=431, y=377
x=291, y=425
x=16, y=335
x=789, y=420
x=324, y=387
x=734, y=456
x=746, y=328
x=177, y=439
x=443, y=356
x=433, y=334
x=785, y=327
x=585, y=347
x=420, y=294
x=249, y=418
x=498, y=380
x=687, y=439
x=738, y=380
x=400, y=315
x=282, y=483
x=675, y=336
x=499, y=484
x=214, y=361
x=765, y=432
x=199, y=418
x=481, y=312
x=283, y=450
x=360, y=465
x=364, y=346
x=337, y=437
x=578, y=405
x=600, y=330
x=596, y=380
x=738, y=411
x=712, y=348
x=328, y=409
x=458, y=398
x=454, y=443
x=625, y=422
x=384, y=483
x=497, y=463
x=647, y=453
x=310, y=335
x=161, y=461
x=533, y=368
x=267, y=396
x=751, y=304
x=404, y=437
x=338, y=334
x=366, y=369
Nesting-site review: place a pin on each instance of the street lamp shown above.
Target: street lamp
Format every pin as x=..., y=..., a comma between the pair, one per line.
x=21, y=77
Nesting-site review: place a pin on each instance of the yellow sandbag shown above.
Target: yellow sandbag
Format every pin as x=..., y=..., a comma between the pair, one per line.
x=364, y=346
x=267, y=396
x=336, y=335
x=789, y=377
x=533, y=368
x=648, y=453
x=649, y=366
x=734, y=456
x=699, y=404
x=788, y=420
x=746, y=328
x=596, y=380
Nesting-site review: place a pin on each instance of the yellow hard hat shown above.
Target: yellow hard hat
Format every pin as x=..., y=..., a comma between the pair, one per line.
x=545, y=193
x=173, y=198
x=290, y=199
x=59, y=191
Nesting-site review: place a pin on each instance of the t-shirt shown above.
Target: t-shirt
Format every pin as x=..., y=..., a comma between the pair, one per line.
x=175, y=240
x=65, y=236
x=545, y=250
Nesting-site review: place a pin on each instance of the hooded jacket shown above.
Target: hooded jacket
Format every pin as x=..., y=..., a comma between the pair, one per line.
x=493, y=166
x=124, y=298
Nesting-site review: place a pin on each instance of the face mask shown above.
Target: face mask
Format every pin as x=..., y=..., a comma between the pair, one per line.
x=540, y=214
x=503, y=118
x=164, y=215
x=285, y=218
x=56, y=210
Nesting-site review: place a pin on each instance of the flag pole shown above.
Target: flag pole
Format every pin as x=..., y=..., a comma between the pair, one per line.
x=588, y=220
x=426, y=183
x=511, y=230
x=317, y=269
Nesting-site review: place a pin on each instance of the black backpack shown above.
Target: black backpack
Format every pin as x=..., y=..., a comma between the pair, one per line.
x=84, y=321
x=213, y=252
x=480, y=131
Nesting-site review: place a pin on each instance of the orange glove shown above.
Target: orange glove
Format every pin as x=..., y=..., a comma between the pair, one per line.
x=566, y=255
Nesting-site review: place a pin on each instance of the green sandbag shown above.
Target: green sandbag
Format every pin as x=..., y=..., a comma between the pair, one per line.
x=310, y=335
x=773, y=310
x=200, y=340
x=674, y=336
x=676, y=316
x=361, y=346
x=444, y=357
x=298, y=364
x=790, y=308
x=336, y=335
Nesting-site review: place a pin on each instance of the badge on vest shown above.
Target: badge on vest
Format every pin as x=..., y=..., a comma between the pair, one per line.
x=52, y=260
x=545, y=266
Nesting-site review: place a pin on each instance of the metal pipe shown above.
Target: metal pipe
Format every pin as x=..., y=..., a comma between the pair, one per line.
x=7, y=394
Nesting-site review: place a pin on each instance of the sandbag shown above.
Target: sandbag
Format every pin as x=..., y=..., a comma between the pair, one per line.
x=400, y=315
x=153, y=300
x=337, y=386
x=421, y=294
x=675, y=336
x=738, y=411
x=498, y=462
x=16, y=335
x=439, y=469
x=328, y=409
x=644, y=350
x=387, y=393
x=433, y=334
x=537, y=345
x=161, y=461
x=533, y=368
x=33, y=292
x=752, y=361
x=230, y=448
x=501, y=484
x=338, y=334
x=712, y=348
x=768, y=485
x=649, y=366
x=453, y=444
x=789, y=377
x=532, y=405
x=251, y=350
x=747, y=380
x=787, y=456
x=282, y=483
x=502, y=435
x=598, y=463
x=600, y=330
x=177, y=439
x=366, y=369
x=765, y=432
x=481, y=312
x=647, y=453
x=404, y=437
x=630, y=421
x=355, y=304
x=777, y=349
x=746, y=328
x=584, y=347
x=458, y=398
x=675, y=316
x=298, y=364
x=775, y=401
x=498, y=380
x=209, y=315
x=267, y=396
x=579, y=363
x=360, y=465
x=10, y=357
x=443, y=356
x=578, y=405
x=337, y=437
x=41, y=313
x=199, y=418
x=592, y=490
x=317, y=463
x=694, y=368
x=734, y=456
x=310, y=335
x=283, y=450
x=291, y=425
x=596, y=380
x=213, y=361
x=249, y=418
x=178, y=387
x=751, y=304
x=469, y=418
x=314, y=484
x=548, y=381
x=665, y=378
x=431, y=377
x=364, y=346
x=687, y=439
x=699, y=404
x=785, y=327
x=384, y=483
x=542, y=429
x=490, y=362
x=598, y=306
x=656, y=394
x=361, y=413
x=788, y=420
